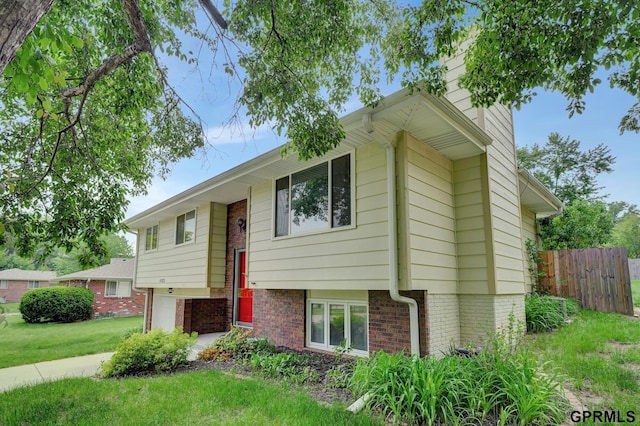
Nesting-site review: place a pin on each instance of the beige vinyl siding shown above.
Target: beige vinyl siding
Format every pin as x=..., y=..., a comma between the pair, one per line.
x=218, y=245
x=430, y=228
x=471, y=226
x=505, y=202
x=460, y=97
x=354, y=258
x=528, y=233
x=176, y=266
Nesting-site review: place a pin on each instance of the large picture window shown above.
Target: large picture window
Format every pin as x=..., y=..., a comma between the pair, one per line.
x=151, y=242
x=186, y=227
x=117, y=289
x=331, y=323
x=315, y=198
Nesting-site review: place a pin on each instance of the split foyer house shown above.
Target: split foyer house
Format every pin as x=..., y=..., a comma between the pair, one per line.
x=112, y=288
x=407, y=236
x=15, y=282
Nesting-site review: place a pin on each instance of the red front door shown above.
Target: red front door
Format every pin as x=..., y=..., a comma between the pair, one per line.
x=245, y=295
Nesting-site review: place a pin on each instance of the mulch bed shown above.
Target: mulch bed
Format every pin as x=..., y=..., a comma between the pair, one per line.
x=320, y=390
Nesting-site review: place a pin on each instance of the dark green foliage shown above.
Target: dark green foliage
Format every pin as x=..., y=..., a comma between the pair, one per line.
x=544, y=313
x=284, y=365
x=501, y=384
x=56, y=304
x=154, y=351
x=583, y=224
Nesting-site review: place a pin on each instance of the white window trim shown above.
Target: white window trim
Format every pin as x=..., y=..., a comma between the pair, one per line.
x=31, y=284
x=175, y=230
x=118, y=287
x=4, y=284
x=274, y=213
x=157, y=226
x=347, y=324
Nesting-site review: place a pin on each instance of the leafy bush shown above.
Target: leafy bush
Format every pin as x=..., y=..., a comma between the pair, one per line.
x=155, y=351
x=56, y=304
x=237, y=344
x=287, y=365
x=545, y=313
x=501, y=384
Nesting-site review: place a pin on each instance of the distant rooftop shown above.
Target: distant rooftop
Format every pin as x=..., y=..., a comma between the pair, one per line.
x=119, y=269
x=16, y=274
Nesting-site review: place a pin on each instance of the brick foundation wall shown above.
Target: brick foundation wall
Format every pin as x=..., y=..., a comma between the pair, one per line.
x=206, y=316
x=15, y=290
x=389, y=327
x=118, y=306
x=279, y=315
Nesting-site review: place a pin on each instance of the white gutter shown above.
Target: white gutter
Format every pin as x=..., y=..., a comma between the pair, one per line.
x=393, y=236
x=133, y=281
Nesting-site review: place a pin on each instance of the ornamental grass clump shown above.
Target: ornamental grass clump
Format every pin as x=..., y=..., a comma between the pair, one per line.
x=500, y=384
x=152, y=352
x=544, y=313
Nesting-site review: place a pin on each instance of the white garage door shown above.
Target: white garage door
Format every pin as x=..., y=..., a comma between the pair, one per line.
x=163, y=314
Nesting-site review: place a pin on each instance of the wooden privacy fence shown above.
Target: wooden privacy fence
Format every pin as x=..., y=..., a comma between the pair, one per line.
x=597, y=278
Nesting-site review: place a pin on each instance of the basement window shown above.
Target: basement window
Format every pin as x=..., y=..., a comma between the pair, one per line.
x=334, y=323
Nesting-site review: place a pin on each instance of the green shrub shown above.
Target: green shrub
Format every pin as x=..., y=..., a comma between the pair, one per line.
x=500, y=383
x=288, y=365
x=56, y=304
x=237, y=344
x=155, y=351
x=545, y=313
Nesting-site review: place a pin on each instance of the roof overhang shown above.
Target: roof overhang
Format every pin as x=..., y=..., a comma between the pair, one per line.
x=536, y=197
x=430, y=119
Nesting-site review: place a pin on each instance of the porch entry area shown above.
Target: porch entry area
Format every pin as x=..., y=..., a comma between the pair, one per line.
x=243, y=296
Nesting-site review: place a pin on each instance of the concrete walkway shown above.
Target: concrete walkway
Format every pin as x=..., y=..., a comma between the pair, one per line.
x=80, y=366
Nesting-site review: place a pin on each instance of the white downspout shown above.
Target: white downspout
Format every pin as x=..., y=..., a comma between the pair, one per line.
x=393, y=236
x=133, y=282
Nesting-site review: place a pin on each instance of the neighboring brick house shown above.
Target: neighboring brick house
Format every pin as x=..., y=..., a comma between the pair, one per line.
x=15, y=282
x=112, y=287
x=409, y=235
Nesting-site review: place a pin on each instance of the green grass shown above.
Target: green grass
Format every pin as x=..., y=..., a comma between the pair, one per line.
x=635, y=290
x=12, y=307
x=600, y=355
x=24, y=343
x=195, y=398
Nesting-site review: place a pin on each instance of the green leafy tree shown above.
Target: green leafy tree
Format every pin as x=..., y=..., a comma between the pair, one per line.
x=569, y=172
x=87, y=113
x=583, y=224
x=626, y=233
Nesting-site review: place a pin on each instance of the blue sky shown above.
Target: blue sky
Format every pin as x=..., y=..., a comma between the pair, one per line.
x=210, y=93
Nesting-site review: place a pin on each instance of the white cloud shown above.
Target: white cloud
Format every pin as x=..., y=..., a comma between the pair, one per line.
x=234, y=133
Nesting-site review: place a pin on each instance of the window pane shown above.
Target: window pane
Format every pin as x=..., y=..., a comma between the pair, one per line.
x=112, y=288
x=124, y=289
x=317, y=323
x=336, y=324
x=180, y=229
x=154, y=238
x=190, y=226
x=359, y=327
x=310, y=199
x=341, y=191
x=282, y=206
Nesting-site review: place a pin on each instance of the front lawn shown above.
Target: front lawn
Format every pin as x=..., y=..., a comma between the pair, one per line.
x=24, y=343
x=600, y=355
x=10, y=307
x=196, y=398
